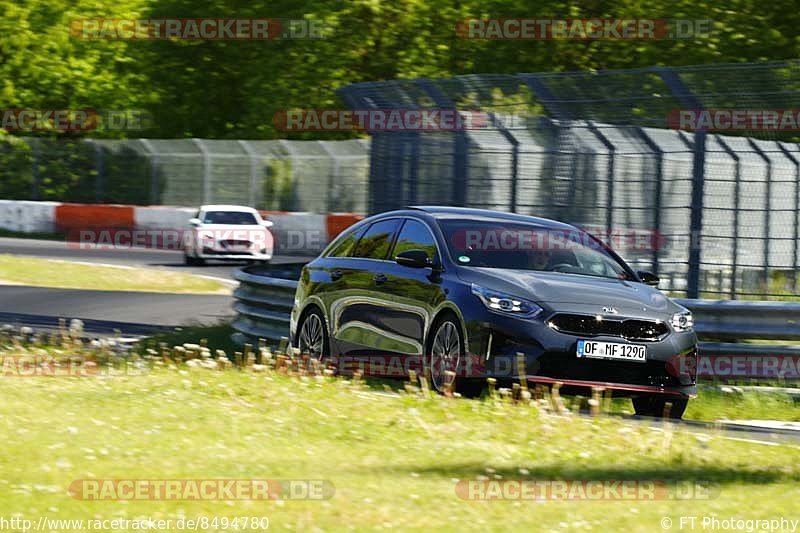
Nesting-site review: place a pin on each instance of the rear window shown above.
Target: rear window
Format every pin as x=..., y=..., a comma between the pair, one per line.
x=377, y=240
x=347, y=245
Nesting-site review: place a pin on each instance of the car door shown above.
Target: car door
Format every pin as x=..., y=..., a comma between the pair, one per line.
x=412, y=294
x=358, y=313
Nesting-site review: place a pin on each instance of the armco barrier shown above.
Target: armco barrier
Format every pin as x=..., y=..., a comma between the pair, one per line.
x=265, y=298
x=264, y=302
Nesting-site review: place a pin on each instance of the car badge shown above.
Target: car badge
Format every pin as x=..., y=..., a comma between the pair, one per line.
x=610, y=311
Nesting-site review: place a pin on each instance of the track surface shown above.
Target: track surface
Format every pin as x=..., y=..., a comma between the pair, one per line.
x=143, y=257
x=133, y=313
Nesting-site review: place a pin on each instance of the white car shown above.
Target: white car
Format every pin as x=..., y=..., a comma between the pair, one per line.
x=228, y=232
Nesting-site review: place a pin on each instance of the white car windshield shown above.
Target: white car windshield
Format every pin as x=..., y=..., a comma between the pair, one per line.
x=229, y=218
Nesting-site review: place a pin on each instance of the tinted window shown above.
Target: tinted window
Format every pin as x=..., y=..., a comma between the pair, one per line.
x=235, y=218
x=415, y=236
x=345, y=248
x=522, y=246
x=378, y=238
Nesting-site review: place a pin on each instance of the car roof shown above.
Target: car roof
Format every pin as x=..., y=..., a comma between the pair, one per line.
x=445, y=212
x=223, y=207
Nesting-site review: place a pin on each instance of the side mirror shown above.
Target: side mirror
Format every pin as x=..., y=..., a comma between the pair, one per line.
x=267, y=223
x=648, y=278
x=414, y=259
x=195, y=222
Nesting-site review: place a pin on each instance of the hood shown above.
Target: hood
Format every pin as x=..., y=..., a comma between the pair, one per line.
x=572, y=292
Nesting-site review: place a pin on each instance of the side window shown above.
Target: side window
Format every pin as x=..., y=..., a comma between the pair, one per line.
x=375, y=243
x=415, y=236
x=345, y=248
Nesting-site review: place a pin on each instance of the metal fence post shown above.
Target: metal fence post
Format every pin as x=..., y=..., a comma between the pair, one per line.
x=207, y=192
x=506, y=133
x=413, y=168
x=609, y=177
x=98, y=165
x=253, y=172
x=696, y=219
x=659, y=160
x=767, y=204
x=789, y=155
x=293, y=158
x=679, y=89
x=737, y=185
x=460, y=144
x=151, y=155
x=34, y=144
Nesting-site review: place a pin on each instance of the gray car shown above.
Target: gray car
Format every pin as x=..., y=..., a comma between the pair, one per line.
x=466, y=294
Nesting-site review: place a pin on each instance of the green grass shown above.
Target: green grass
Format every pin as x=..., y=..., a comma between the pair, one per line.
x=215, y=337
x=60, y=236
x=394, y=460
x=70, y=275
x=715, y=403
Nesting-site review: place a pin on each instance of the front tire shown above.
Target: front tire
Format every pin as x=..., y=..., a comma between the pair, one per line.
x=446, y=351
x=657, y=407
x=192, y=261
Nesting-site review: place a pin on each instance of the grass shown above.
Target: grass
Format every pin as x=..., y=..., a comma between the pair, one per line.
x=715, y=403
x=394, y=459
x=71, y=275
x=59, y=236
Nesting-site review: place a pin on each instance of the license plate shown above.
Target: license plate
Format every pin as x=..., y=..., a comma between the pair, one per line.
x=612, y=350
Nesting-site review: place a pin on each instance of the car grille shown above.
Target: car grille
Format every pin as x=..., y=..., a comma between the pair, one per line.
x=236, y=243
x=628, y=328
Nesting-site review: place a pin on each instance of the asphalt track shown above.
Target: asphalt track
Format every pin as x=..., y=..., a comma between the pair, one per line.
x=103, y=312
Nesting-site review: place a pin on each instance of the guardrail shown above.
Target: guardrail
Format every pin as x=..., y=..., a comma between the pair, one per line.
x=264, y=301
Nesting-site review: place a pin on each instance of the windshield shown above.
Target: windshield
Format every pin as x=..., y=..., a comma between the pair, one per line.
x=520, y=246
x=231, y=218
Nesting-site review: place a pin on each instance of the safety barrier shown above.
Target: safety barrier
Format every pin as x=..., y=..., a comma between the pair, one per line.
x=295, y=233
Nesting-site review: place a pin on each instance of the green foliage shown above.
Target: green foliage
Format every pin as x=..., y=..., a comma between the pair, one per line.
x=232, y=89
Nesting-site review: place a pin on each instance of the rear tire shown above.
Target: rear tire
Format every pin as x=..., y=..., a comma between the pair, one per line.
x=657, y=407
x=312, y=335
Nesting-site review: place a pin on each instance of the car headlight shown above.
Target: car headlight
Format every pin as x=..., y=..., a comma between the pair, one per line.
x=505, y=303
x=682, y=321
x=206, y=239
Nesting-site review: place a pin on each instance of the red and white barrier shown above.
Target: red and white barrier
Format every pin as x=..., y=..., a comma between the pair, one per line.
x=295, y=233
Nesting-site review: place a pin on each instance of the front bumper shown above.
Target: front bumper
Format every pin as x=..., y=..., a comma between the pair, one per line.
x=239, y=256
x=549, y=356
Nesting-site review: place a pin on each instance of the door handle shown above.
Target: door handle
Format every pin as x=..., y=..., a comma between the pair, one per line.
x=380, y=278
x=336, y=274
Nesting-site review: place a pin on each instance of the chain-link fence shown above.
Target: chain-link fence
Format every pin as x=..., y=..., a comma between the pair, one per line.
x=713, y=215
x=316, y=176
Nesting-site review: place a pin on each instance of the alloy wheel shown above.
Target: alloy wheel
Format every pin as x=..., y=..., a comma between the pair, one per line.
x=445, y=355
x=312, y=336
